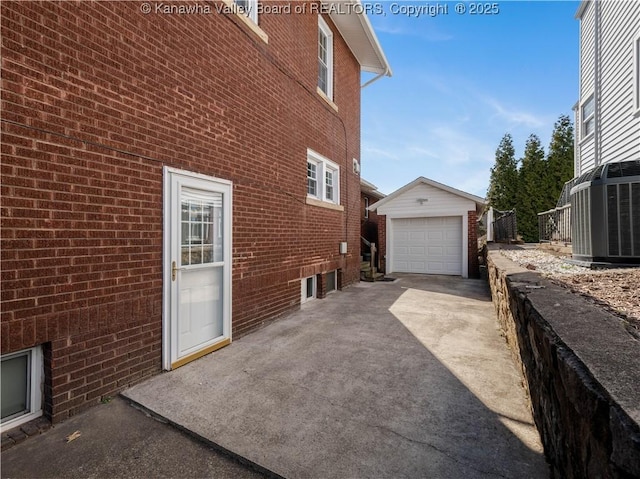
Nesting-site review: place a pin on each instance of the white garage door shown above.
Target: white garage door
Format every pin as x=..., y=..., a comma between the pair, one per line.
x=427, y=245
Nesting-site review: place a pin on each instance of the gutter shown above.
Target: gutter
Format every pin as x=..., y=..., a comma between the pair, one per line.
x=386, y=72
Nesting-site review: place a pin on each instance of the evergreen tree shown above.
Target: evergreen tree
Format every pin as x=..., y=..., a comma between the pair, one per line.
x=504, y=177
x=532, y=178
x=559, y=160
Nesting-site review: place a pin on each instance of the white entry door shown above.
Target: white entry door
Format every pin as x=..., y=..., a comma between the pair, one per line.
x=197, y=263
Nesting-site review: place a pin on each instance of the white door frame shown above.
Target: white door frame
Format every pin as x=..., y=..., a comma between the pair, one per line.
x=173, y=178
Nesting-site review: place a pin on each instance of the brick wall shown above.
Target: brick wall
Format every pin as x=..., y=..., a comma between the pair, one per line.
x=474, y=264
x=382, y=237
x=369, y=227
x=97, y=97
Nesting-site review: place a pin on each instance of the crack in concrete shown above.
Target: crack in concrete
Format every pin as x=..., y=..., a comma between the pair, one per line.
x=441, y=451
x=380, y=427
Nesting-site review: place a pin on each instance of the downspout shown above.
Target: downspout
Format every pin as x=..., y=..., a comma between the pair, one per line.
x=376, y=78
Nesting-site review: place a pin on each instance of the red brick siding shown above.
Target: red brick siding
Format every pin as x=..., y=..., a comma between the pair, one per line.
x=382, y=237
x=370, y=224
x=98, y=97
x=474, y=265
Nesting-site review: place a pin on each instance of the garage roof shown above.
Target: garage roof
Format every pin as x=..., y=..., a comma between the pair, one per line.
x=480, y=202
x=351, y=20
x=370, y=189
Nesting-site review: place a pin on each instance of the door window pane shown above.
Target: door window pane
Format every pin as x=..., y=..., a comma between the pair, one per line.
x=201, y=227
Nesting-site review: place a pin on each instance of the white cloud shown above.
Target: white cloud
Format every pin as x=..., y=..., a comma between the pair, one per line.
x=515, y=117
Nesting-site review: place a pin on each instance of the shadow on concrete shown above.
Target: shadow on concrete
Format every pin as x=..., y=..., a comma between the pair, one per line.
x=409, y=379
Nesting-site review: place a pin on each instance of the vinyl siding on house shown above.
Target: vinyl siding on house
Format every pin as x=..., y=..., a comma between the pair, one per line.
x=619, y=129
x=617, y=133
x=587, y=79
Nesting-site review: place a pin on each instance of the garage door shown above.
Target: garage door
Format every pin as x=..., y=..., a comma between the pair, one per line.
x=427, y=245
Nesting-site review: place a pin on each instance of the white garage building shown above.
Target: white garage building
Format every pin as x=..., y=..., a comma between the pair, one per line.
x=430, y=228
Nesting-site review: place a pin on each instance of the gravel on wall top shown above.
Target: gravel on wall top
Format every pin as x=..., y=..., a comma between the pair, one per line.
x=617, y=290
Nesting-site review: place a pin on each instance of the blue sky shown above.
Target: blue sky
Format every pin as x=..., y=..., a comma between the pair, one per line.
x=460, y=82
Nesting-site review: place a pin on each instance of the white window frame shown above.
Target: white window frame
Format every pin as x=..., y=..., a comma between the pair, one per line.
x=335, y=281
x=330, y=183
x=325, y=31
x=36, y=377
x=366, y=207
x=317, y=165
x=324, y=166
x=304, y=296
x=251, y=11
x=636, y=76
x=584, y=120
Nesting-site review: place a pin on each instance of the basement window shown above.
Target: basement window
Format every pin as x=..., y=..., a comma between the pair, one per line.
x=331, y=281
x=308, y=289
x=21, y=376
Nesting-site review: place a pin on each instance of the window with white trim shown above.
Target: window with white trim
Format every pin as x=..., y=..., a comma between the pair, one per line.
x=366, y=207
x=308, y=289
x=588, y=116
x=325, y=58
x=21, y=376
x=249, y=8
x=331, y=284
x=636, y=74
x=312, y=178
x=323, y=178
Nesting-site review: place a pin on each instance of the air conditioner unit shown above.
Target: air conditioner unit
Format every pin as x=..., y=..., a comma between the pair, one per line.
x=605, y=214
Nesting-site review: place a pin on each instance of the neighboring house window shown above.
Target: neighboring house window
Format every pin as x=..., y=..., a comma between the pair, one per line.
x=249, y=8
x=325, y=58
x=587, y=113
x=21, y=384
x=323, y=178
x=366, y=205
x=636, y=73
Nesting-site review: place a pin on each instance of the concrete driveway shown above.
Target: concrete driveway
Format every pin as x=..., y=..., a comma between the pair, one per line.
x=403, y=379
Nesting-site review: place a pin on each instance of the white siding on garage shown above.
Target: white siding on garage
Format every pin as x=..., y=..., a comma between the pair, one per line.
x=438, y=203
x=427, y=245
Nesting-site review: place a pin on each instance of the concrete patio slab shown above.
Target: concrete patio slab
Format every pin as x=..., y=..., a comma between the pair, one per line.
x=403, y=379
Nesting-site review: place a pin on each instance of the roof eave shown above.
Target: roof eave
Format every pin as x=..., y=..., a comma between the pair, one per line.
x=354, y=26
x=480, y=202
x=581, y=9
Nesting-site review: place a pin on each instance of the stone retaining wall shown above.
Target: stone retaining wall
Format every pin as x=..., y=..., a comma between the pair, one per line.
x=581, y=369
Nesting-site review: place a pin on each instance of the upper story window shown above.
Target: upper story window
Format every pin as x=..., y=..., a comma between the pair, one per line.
x=587, y=114
x=249, y=8
x=325, y=58
x=323, y=178
x=366, y=206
